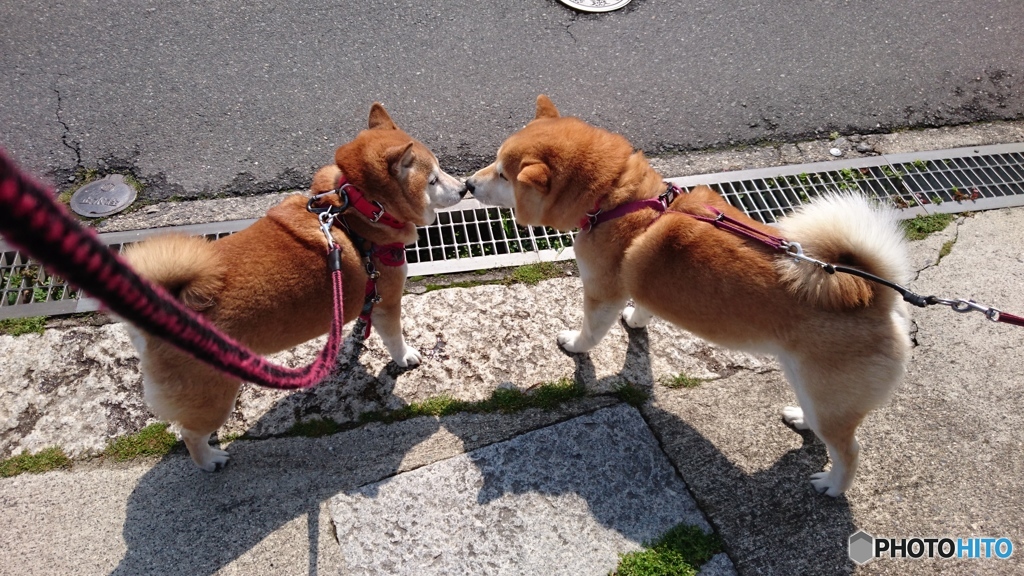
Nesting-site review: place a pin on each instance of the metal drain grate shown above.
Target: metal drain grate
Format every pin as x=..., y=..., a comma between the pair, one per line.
x=471, y=236
x=943, y=181
x=26, y=289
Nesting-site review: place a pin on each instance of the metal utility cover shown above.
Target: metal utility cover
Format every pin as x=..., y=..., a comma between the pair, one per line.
x=595, y=5
x=106, y=196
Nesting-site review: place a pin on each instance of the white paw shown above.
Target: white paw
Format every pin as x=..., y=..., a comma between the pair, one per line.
x=633, y=318
x=212, y=459
x=410, y=357
x=794, y=416
x=822, y=482
x=570, y=341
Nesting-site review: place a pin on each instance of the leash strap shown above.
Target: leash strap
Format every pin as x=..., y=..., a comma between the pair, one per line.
x=794, y=250
x=31, y=219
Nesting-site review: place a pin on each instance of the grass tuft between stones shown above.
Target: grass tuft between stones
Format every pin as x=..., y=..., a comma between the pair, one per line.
x=680, y=552
x=153, y=440
x=532, y=274
x=506, y=400
x=681, y=381
x=632, y=395
x=45, y=460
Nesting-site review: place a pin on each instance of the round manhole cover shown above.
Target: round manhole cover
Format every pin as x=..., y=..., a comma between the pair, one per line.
x=106, y=196
x=595, y=5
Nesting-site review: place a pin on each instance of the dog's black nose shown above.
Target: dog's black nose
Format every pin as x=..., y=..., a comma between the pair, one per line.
x=469, y=187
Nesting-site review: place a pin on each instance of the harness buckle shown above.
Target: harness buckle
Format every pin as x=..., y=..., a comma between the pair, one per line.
x=669, y=196
x=379, y=213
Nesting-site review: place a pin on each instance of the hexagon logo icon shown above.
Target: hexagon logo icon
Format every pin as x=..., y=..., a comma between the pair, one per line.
x=862, y=547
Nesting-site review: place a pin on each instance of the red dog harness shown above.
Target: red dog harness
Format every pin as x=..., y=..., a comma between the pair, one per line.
x=392, y=254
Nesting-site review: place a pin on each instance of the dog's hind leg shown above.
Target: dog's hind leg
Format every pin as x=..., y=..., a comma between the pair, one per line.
x=831, y=408
x=195, y=397
x=636, y=316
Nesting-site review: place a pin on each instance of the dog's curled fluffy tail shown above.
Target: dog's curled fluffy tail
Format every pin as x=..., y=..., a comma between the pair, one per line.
x=187, y=266
x=848, y=230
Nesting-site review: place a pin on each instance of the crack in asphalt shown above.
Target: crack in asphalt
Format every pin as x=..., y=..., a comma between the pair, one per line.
x=572, y=20
x=77, y=148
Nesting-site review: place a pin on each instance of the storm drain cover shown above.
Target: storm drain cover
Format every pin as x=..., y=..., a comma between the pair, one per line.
x=106, y=196
x=595, y=5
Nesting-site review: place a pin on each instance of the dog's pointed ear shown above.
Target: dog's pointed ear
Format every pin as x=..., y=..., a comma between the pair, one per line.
x=379, y=119
x=535, y=173
x=400, y=158
x=545, y=108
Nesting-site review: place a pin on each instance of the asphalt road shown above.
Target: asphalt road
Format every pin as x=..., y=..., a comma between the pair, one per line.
x=229, y=97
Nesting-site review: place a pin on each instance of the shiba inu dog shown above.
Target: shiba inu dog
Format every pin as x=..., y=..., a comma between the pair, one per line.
x=842, y=341
x=268, y=285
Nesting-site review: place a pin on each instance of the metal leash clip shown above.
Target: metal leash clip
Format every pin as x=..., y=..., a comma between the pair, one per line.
x=327, y=214
x=962, y=305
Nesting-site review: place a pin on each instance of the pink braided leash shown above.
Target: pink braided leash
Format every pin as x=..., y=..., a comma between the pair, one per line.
x=31, y=219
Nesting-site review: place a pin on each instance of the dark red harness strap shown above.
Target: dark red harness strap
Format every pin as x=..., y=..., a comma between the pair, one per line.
x=389, y=255
x=31, y=219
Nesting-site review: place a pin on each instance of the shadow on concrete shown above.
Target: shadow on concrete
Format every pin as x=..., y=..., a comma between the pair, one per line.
x=180, y=520
x=772, y=521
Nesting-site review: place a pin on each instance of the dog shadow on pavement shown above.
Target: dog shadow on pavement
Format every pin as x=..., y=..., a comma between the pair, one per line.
x=771, y=521
x=183, y=521
x=180, y=520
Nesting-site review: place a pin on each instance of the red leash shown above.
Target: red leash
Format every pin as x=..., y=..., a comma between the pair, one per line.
x=31, y=219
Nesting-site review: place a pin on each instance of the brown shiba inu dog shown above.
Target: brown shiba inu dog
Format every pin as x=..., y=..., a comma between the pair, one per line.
x=842, y=341
x=268, y=286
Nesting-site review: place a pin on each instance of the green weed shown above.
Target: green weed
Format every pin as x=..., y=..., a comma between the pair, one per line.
x=632, y=395
x=681, y=381
x=153, y=440
x=19, y=326
x=43, y=461
x=531, y=274
x=680, y=552
x=919, y=227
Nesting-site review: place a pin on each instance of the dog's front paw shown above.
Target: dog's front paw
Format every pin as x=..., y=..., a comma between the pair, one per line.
x=824, y=484
x=570, y=341
x=409, y=357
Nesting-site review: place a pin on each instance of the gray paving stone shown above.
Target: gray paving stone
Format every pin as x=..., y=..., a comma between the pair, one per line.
x=567, y=499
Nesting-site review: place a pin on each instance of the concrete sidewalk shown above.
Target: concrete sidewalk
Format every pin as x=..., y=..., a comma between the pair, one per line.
x=542, y=491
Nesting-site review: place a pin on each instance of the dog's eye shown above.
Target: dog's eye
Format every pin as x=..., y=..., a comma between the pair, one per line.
x=502, y=176
x=433, y=180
